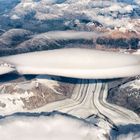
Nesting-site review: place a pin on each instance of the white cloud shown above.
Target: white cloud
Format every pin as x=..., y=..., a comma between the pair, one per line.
x=62, y=62
x=62, y=35
x=57, y=127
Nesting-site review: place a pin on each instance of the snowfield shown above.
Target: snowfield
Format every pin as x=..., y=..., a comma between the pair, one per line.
x=77, y=63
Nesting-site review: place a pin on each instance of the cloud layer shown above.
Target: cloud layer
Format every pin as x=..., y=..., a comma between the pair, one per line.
x=53, y=127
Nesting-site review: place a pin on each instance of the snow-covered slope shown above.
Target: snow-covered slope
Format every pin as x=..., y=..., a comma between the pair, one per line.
x=32, y=94
x=13, y=37
x=108, y=13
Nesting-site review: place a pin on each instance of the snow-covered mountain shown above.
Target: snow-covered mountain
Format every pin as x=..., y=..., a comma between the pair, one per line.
x=126, y=93
x=24, y=26
x=108, y=13
x=36, y=25
x=22, y=95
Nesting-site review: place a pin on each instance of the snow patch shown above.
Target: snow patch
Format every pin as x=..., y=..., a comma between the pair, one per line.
x=134, y=84
x=13, y=103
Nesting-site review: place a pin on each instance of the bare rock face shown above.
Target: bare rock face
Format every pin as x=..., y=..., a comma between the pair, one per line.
x=125, y=93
